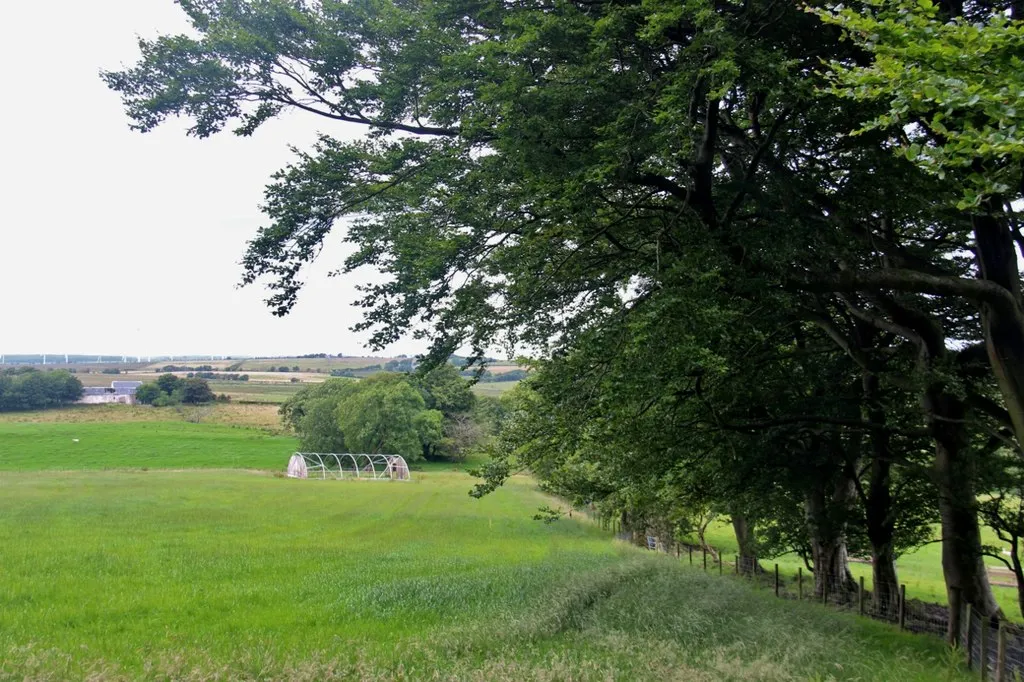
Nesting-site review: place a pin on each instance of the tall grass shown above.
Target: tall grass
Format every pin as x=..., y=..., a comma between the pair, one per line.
x=235, y=575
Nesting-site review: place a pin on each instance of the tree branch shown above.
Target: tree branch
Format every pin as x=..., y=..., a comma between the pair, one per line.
x=898, y=279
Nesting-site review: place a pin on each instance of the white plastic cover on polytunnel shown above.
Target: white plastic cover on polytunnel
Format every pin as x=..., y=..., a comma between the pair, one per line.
x=324, y=465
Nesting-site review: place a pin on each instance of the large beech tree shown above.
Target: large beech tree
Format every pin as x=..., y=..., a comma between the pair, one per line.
x=533, y=173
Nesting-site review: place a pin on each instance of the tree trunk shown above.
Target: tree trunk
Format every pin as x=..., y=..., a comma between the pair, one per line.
x=1003, y=329
x=962, y=562
x=747, y=545
x=826, y=512
x=881, y=530
x=832, y=570
x=1018, y=572
x=880, y=518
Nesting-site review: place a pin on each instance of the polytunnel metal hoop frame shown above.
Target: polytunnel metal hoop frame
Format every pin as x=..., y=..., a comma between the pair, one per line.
x=325, y=465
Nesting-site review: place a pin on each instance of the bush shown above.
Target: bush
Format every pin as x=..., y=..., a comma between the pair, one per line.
x=195, y=391
x=149, y=392
x=164, y=400
x=168, y=383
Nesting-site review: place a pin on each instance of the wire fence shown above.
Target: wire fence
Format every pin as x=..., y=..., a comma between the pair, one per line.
x=992, y=647
x=995, y=648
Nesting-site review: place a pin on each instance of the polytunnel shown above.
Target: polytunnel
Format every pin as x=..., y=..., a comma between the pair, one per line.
x=325, y=465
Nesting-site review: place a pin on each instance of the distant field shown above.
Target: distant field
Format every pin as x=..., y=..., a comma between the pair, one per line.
x=256, y=392
x=263, y=417
x=96, y=379
x=494, y=388
x=307, y=364
x=268, y=387
x=27, y=446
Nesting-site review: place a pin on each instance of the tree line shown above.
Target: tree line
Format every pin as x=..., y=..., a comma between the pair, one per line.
x=170, y=389
x=31, y=389
x=768, y=255
x=430, y=416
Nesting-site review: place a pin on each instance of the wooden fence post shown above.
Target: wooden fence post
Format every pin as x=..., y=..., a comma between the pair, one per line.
x=689, y=550
x=969, y=636
x=860, y=596
x=903, y=607
x=677, y=550
x=737, y=564
x=984, y=648
x=705, y=551
x=824, y=588
x=800, y=582
x=720, y=562
x=776, y=580
x=1001, y=652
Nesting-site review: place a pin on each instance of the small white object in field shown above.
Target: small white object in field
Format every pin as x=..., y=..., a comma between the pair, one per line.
x=74, y=440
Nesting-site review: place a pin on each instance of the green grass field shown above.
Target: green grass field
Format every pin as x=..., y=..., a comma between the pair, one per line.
x=920, y=570
x=221, y=571
x=175, y=445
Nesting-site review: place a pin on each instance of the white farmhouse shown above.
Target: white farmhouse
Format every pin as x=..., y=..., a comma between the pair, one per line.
x=118, y=392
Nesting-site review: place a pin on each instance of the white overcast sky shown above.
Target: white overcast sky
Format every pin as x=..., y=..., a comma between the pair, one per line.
x=112, y=241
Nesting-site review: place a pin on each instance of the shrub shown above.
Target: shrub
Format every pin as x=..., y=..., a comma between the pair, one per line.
x=148, y=393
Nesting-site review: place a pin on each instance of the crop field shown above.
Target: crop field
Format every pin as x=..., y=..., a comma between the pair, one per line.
x=171, y=550
x=250, y=391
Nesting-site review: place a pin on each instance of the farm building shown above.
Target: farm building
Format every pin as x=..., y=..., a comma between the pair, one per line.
x=118, y=392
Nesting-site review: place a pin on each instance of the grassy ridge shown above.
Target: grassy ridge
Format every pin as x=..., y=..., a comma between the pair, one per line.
x=234, y=575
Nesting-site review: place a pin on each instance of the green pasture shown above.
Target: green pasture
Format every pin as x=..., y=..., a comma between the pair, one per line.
x=236, y=575
x=153, y=550
x=170, y=445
